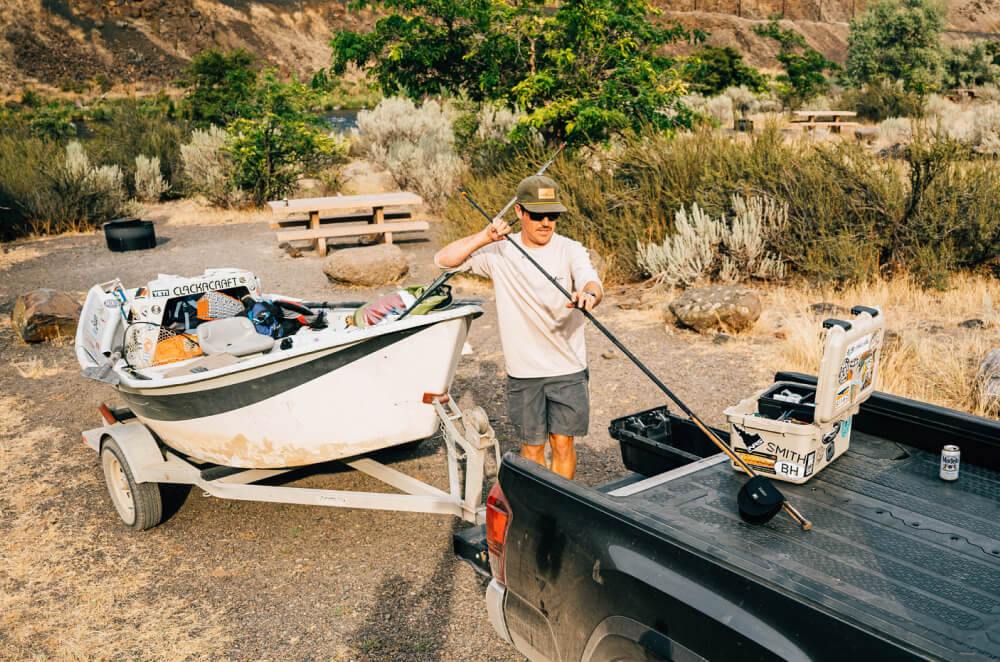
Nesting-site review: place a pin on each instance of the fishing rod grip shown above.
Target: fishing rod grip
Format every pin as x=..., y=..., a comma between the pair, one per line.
x=796, y=515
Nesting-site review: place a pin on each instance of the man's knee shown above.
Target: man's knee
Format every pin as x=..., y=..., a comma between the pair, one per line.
x=562, y=446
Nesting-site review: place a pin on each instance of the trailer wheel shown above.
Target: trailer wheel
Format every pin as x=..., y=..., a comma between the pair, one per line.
x=138, y=504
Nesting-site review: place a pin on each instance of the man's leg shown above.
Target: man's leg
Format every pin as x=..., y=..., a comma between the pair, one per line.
x=536, y=453
x=563, y=455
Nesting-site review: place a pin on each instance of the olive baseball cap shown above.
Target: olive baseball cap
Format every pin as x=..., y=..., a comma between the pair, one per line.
x=539, y=193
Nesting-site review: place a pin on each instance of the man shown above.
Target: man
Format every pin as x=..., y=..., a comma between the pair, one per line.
x=542, y=334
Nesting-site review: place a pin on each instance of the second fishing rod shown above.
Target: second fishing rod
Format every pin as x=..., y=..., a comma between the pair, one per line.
x=787, y=507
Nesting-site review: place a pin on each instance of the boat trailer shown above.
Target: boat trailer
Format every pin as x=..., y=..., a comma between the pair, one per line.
x=135, y=463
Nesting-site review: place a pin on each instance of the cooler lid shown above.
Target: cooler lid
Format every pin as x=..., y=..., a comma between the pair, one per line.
x=852, y=353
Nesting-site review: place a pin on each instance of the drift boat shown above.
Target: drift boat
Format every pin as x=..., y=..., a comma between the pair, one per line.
x=247, y=400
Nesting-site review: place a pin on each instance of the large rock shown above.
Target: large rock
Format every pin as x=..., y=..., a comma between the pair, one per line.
x=367, y=265
x=43, y=314
x=987, y=385
x=717, y=306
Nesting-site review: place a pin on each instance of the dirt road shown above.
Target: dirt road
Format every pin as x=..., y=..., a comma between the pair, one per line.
x=257, y=581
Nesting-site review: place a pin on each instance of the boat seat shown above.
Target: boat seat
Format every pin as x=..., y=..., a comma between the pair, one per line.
x=232, y=335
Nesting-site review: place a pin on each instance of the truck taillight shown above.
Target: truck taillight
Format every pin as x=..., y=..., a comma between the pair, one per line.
x=497, y=523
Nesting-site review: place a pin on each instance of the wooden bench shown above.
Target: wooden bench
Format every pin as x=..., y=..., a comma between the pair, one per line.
x=824, y=119
x=318, y=229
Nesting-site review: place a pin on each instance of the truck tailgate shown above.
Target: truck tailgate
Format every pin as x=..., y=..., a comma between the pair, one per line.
x=893, y=549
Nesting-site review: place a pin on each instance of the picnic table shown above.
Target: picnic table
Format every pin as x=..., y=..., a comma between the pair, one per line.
x=367, y=215
x=830, y=119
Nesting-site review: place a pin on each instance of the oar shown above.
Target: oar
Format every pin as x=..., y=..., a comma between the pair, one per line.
x=759, y=500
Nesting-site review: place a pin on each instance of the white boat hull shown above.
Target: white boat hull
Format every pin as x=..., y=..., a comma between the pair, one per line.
x=325, y=405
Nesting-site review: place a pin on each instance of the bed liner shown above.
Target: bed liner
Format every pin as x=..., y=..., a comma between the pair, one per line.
x=893, y=549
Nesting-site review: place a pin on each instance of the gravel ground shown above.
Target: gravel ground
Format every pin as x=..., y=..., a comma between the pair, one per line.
x=298, y=582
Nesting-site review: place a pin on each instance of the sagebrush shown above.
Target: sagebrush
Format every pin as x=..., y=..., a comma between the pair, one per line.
x=415, y=144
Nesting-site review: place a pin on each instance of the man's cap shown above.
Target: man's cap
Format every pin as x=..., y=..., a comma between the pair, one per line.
x=539, y=193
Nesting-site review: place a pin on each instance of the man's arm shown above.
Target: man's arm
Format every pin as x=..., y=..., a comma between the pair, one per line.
x=459, y=250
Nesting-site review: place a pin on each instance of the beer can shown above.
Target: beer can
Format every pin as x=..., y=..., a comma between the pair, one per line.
x=949, y=462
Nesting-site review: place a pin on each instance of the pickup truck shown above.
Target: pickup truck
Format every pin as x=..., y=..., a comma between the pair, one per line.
x=899, y=564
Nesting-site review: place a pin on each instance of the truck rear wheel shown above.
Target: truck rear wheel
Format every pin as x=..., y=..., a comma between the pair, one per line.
x=138, y=504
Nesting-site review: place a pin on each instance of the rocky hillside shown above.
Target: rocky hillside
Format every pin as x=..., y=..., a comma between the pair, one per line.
x=132, y=41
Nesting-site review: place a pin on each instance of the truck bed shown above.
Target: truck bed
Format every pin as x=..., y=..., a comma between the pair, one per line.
x=893, y=547
x=899, y=565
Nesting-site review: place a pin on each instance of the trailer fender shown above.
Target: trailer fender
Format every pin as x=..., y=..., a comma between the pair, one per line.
x=142, y=453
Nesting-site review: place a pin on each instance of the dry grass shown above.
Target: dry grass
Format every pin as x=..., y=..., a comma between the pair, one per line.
x=199, y=212
x=67, y=590
x=12, y=254
x=933, y=359
x=35, y=368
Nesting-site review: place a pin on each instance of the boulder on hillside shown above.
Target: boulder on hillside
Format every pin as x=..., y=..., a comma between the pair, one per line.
x=367, y=265
x=730, y=307
x=987, y=385
x=45, y=313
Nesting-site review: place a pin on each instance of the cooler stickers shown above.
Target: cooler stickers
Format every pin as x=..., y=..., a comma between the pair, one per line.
x=857, y=372
x=761, y=462
x=774, y=459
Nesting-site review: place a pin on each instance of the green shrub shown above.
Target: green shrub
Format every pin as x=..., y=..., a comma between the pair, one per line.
x=218, y=84
x=968, y=64
x=140, y=128
x=712, y=69
x=851, y=215
x=789, y=40
x=207, y=168
x=703, y=248
x=103, y=82
x=880, y=100
x=31, y=98
x=485, y=134
x=149, y=183
x=278, y=140
x=52, y=121
x=897, y=40
x=415, y=144
x=47, y=189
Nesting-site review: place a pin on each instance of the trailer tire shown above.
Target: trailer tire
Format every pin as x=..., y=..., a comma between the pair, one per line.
x=139, y=505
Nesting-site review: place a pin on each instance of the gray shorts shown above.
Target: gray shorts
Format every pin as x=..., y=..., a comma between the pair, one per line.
x=539, y=406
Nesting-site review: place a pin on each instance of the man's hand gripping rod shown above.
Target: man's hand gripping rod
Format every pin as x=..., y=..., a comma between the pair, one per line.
x=787, y=507
x=443, y=278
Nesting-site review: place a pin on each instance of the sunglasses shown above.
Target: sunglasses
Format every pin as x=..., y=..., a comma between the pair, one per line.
x=537, y=216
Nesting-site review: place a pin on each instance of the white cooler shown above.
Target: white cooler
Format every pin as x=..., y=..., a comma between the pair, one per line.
x=790, y=431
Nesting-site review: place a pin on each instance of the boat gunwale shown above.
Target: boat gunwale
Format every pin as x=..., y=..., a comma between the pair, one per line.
x=147, y=386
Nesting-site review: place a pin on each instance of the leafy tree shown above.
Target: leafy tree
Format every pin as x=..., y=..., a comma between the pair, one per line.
x=277, y=140
x=897, y=40
x=804, y=76
x=968, y=64
x=712, y=69
x=582, y=72
x=437, y=45
x=805, y=67
x=602, y=73
x=218, y=84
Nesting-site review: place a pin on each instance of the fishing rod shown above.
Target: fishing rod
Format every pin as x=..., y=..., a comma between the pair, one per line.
x=443, y=278
x=759, y=497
